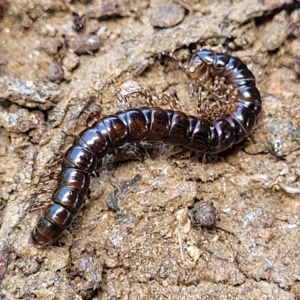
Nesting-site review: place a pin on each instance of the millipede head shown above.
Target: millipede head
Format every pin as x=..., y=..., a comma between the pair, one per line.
x=196, y=69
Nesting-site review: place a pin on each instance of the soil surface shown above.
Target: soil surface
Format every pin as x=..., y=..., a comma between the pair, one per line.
x=61, y=58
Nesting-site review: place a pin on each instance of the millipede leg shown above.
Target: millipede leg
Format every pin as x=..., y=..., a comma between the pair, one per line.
x=92, y=115
x=41, y=205
x=42, y=191
x=96, y=172
x=199, y=101
x=191, y=90
x=49, y=176
x=251, y=137
x=68, y=133
x=133, y=89
x=149, y=99
x=122, y=100
x=172, y=101
x=55, y=161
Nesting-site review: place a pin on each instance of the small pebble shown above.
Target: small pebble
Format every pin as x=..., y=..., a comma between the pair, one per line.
x=203, y=214
x=48, y=30
x=166, y=15
x=70, y=61
x=87, y=44
x=51, y=46
x=104, y=8
x=29, y=93
x=55, y=72
x=276, y=31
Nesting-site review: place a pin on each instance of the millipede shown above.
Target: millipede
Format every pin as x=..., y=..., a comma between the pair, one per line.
x=228, y=106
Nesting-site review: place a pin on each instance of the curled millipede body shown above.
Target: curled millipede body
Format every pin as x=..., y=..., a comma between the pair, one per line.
x=226, y=78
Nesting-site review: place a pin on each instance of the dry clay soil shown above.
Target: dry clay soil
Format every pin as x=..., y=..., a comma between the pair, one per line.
x=149, y=249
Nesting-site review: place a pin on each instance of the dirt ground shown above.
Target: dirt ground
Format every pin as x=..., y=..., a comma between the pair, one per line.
x=60, y=58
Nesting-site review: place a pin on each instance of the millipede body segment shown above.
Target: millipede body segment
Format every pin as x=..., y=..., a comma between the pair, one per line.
x=227, y=79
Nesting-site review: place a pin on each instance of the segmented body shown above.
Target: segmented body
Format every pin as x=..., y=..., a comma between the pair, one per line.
x=131, y=125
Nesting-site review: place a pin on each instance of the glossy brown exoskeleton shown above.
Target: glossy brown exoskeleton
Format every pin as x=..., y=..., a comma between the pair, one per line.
x=228, y=80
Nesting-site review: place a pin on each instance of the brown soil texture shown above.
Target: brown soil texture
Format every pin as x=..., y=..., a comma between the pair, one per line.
x=61, y=58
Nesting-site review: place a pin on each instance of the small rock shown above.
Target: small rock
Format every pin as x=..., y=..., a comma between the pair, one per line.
x=48, y=30
x=55, y=72
x=18, y=119
x=70, y=61
x=103, y=8
x=194, y=252
x=26, y=21
x=296, y=63
x=86, y=44
x=28, y=93
x=167, y=15
x=51, y=46
x=276, y=31
x=203, y=214
x=273, y=4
